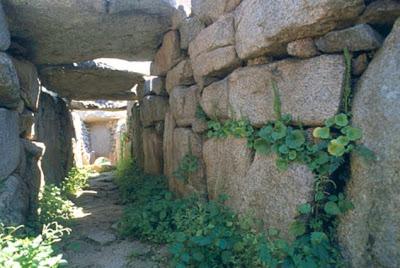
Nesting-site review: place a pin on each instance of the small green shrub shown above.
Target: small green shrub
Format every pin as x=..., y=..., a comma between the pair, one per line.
x=31, y=252
x=188, y=165
x=54, y=206
x=76, y=181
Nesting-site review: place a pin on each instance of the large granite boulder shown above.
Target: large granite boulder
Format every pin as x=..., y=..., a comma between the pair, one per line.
x=90, y=81
x=9, y=84
x=168, y=55
x=189, y=29
x=4, y=32
x=266, y=26
x=9, y=142
x=381, y=12
x=74, y=31
x=153, y=151
x=370, y=233
x=180, y=75
x=310, y=90
x=153, y=109
x=54, y=128
x=213, y=52
x=14, y=201
x=210, y=11
x=29, y=83
x=184, y=102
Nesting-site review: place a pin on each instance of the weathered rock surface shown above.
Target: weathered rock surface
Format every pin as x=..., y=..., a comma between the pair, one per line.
x=274, y=195
x=14, y=202
x=210, y=11
x=153, y=151
x=4, y=32
x=359, y=64
x=305, y=86
x=26, y=121
x=381, y=12
x=153, y=109
x=183, y=102
x=154, y=85
x=9, y=142
x=189, y=29
x=370, y=233
x=54, y=128
x=185, y=142
x=264, y=27
x=74, y=31
x=215, y=100
x=9, y=84
x=90, y=81
x=98, y=105
x=227, y=162
x=181, y=74
x=302, y=48
x=168, y=143
x=168, y=55
x=29, y=83
x=358, y=38
x=212, y=52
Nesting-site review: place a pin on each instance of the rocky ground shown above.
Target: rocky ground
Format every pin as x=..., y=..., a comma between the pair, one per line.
x=94, y=241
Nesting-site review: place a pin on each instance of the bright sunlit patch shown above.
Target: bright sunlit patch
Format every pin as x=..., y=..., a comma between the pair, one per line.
x=142, y=67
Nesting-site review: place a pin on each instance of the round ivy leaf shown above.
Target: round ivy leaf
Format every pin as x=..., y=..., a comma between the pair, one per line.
x=262, y=146
x=304, y=208
x=322, y=158
x=330, y=122
x=279, y=131
x=343, y=140
x=341, y=120
x=292, y=155
x=283, y=149
x=295, y=139
x=322, y=133
x=336, y=149
x=332, y=208
x=282, y=164
x=353, y=133
x=266, y=132
x=297, y=228
x=318, y=237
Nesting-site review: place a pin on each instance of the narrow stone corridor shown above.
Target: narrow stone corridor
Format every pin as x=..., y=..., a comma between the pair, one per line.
x=94, y=241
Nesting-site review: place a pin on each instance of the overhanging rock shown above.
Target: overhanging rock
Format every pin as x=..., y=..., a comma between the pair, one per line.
x=73, y=31
x=90, y=81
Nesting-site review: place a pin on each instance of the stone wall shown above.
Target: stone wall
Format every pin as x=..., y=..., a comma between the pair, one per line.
x=223, y=58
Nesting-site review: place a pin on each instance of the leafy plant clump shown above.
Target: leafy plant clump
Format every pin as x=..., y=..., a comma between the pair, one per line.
x=54, y=206
x=29, y=252
x=187, y=166
x=76, y=181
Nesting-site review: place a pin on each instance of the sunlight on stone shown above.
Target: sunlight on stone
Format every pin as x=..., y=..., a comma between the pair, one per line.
x=134, y=66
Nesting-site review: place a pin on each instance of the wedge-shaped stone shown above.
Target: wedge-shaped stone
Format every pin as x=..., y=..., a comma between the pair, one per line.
x=153, y=151
x=91, y=81
x=358, y=38
x=381, y=12
x=265, y=26
x=369, y=234
x=168, y=55
x=310, y=90
x=180, y=75
x=210, y=11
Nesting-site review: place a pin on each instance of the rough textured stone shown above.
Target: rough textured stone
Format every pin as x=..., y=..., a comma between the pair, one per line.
x=9, y=142
x=9, y=84
x=29, y=83
x=136, y=132
x=184, y=142
x=274, y=195
x=4, y=32
x=90, y=81
x=153, y=109
x=54, y=128
x=303, y=48
x=153, y=151
x=199, y=126
x=14, y=201
x=259, y=61
x=74, y=31
x=168, y=143
x=215, y=100
x=180, y=75
x=178, y=16
x=360, y=64
x=168, y=55
x=370, y=233
x=98, y=105
x=381, y=12
x=183, y=102
x=265, y=26
x=358, y=38
x=227, y=162
x=210, y=11
x=189, y=29
x=154, y=85
x=212, y=52
x=305, y=86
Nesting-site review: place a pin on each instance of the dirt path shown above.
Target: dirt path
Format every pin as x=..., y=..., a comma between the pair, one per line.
x=94, y=241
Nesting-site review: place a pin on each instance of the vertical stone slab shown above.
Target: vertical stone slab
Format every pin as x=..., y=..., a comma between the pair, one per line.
x=9, y=84
x=9, y=142
x=153, y=151
x=4, y=32
x=370, y=234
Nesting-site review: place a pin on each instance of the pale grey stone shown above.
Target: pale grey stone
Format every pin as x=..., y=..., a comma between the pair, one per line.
x=184, y=102
x=9, y=142
x=180, y=75
x=14, y=201
x=302, y=48
x=4, y=32
x=210, y=11
x=153, y=109
x=381, y=12
x=189, y=29
x=9, y=84
x=168, y=55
